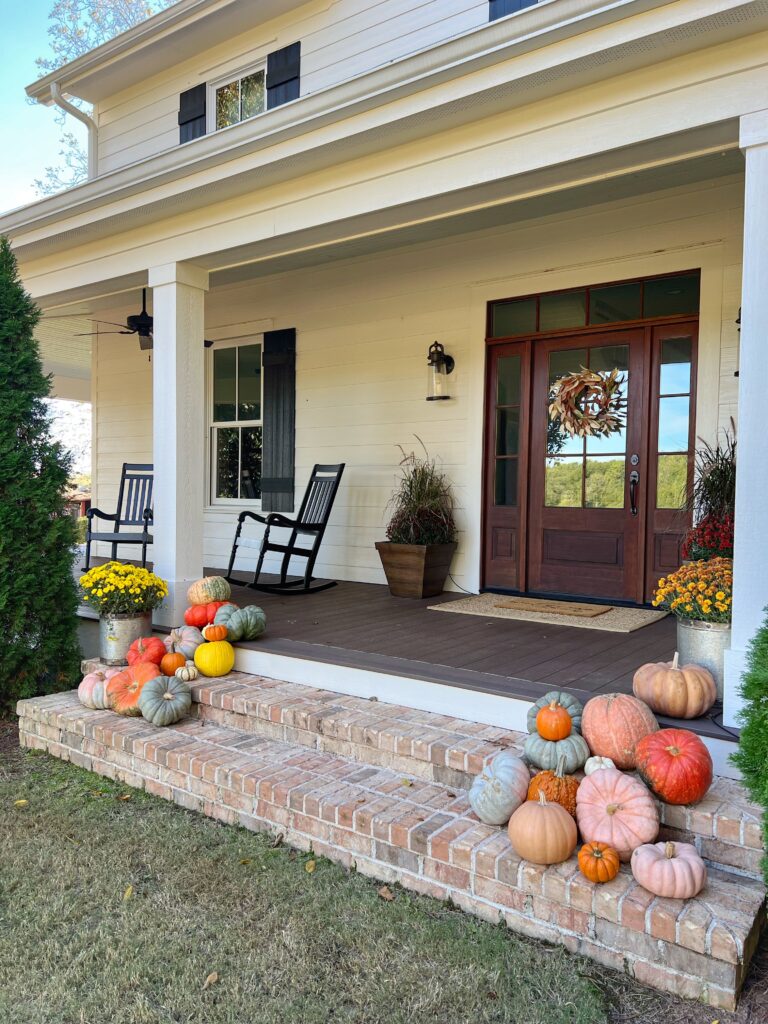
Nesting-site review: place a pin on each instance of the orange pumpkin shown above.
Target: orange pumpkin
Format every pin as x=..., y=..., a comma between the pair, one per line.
x=541, y=832
x=678, y=691
x=556, y=786
x=124, y=689
x=214, y=633
x=613, y=723
x=171, y=662
x=553, y=722
x=598, y=862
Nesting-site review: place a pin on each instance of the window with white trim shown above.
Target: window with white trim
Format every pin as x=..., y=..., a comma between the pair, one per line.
x=235, y=419
x=237, y=98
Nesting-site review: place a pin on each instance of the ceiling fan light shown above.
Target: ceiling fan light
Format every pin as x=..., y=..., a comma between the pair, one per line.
x=146, y=342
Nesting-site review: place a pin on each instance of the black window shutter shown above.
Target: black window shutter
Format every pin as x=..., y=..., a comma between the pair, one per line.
x=283, y=75
x=279, y=421
x=192, y=113
x=500, y=8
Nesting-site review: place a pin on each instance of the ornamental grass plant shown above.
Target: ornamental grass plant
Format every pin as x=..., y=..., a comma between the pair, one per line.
x=422, y=504
x=702, y=591
x=118, y=588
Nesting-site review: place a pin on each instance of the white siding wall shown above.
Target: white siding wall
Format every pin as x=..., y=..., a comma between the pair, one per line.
x=338, y=42
x=364, y=327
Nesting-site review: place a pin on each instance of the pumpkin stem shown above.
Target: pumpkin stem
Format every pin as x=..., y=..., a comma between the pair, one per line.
x=542, y=798
x=560, y=769
x=553, y=705
x=612, y=808
x=669, y=851
x=676, y=661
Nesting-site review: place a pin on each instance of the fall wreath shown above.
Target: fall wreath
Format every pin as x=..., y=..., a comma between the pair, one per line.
x=588, y=403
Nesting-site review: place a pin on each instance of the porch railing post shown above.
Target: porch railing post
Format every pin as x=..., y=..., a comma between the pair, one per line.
x=750, y=568
x=178, y=380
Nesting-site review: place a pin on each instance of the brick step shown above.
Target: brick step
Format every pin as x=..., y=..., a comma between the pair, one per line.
x=419, y=833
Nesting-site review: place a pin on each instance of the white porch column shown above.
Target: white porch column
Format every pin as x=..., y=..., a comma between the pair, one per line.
x=750, y=556
x=178, y=387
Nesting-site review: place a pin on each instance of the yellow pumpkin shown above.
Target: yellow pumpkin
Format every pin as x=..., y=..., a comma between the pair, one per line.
x=216, y=658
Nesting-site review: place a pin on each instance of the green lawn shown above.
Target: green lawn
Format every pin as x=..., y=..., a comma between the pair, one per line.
x=115, y=908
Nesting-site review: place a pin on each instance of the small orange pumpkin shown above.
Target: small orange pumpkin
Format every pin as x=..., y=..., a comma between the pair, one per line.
x=171, y=662
x=556, y=786
x=553, y=722
x=598, y=862
x=213, y=633
x=124, y=689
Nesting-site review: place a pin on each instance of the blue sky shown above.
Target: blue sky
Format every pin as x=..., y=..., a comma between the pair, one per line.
x=30, y=133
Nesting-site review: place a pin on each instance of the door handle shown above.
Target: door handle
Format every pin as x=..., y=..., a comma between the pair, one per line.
x=634, y=480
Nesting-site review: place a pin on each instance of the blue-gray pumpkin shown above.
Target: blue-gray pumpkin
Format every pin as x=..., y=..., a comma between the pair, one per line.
x=242, y=623
x=165, y=700
x=567, y=700
x=547, y=753
x=500, y=788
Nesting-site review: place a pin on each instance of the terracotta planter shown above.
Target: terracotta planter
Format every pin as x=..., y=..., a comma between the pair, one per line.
x=415, y=570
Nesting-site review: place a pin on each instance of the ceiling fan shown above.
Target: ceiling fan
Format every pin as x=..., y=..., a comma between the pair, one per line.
x=138, y=323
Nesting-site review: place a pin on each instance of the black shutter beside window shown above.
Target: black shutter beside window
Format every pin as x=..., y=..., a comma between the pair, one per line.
x=192, y=113
x=500, y=8
x=283, y=75
x=279, y=421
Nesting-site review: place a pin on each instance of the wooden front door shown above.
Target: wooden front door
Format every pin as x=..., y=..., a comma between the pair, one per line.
x=597, y=517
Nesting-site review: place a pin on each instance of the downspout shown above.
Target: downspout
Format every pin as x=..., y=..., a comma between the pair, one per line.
x=93, y=130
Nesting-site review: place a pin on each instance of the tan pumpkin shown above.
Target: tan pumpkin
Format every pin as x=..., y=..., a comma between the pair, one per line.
x=616, y=809
x=672, y=870
x=613, y=723
x=556, y=786
x=208, y=589
x=678, y=691
x=541, y=832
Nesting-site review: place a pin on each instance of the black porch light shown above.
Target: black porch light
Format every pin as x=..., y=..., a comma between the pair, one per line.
x=440, y=365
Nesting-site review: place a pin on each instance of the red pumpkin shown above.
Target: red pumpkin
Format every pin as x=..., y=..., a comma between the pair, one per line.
x=203, y=614
x=147, y=649
x=675, y=764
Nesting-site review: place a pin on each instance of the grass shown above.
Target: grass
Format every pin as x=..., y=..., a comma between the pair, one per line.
x=115, y=908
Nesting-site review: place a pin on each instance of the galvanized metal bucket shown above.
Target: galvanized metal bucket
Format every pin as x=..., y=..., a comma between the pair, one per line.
x=705, y=644
x=117, y=633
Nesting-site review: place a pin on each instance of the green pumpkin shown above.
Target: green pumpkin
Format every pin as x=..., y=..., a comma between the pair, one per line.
x=242, y=623
x=568, y=701
x=547, y=753
x=165, y=700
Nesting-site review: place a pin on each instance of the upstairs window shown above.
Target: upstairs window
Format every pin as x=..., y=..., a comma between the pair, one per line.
x=501, y=8
x=237, y=99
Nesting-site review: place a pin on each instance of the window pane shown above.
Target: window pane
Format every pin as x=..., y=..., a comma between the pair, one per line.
x=562, y=309
x=609, y=357
x=614, y=304
x=565, y=362
x=250, y=471
x=508, y=388
x=227, y=457
x=224, y=384
x=516, y=317
x=249, y=382
x=563, y=483
x=228, y=105
x=252, y=94
x=507, y=431
x=506, y=481
x=604, y=359
x=669, y=295
x=673, y=424
x=604, y=482
x=672, y=481
x=675, y=366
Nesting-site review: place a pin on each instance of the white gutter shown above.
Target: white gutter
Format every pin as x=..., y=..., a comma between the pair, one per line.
x=93, y=130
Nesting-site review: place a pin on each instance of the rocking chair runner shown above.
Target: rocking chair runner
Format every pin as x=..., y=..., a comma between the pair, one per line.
x=134, y=508
x=307, y=531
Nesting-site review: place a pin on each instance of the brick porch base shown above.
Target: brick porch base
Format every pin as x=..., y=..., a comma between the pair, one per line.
x=381, y=789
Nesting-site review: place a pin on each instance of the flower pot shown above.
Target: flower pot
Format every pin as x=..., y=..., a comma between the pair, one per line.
x=117, y=633
x=415, y=570
x=705, y=644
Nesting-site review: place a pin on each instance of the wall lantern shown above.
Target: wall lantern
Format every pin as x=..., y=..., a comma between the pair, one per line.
x=440, y=365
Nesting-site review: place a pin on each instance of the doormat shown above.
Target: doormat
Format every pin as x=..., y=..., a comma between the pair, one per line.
x=611, y=618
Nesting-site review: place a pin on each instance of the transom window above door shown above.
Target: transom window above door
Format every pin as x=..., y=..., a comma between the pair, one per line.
x=235, y=418
x=238, y=98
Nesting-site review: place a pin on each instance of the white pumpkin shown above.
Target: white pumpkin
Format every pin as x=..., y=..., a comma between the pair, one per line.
x=595, y=764
x=187, y=673
x=500, y=788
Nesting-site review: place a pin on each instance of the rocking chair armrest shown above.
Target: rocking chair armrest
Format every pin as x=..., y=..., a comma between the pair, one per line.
x=147, y=516
x=275, y=519
x=91, y=512
x=246, y=514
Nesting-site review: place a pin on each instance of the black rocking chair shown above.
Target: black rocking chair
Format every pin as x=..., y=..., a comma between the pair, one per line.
x=307, y=531
x=134, y=508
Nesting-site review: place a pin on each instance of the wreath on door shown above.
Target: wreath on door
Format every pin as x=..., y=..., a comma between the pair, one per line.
x=588, y=403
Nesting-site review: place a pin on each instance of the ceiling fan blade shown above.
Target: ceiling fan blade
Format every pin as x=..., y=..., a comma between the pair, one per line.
x=110, y=322
x=98, y=334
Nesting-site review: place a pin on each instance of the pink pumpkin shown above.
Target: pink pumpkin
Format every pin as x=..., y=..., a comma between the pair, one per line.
x=92, y=691
x=616, y=809
x=671, y=870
